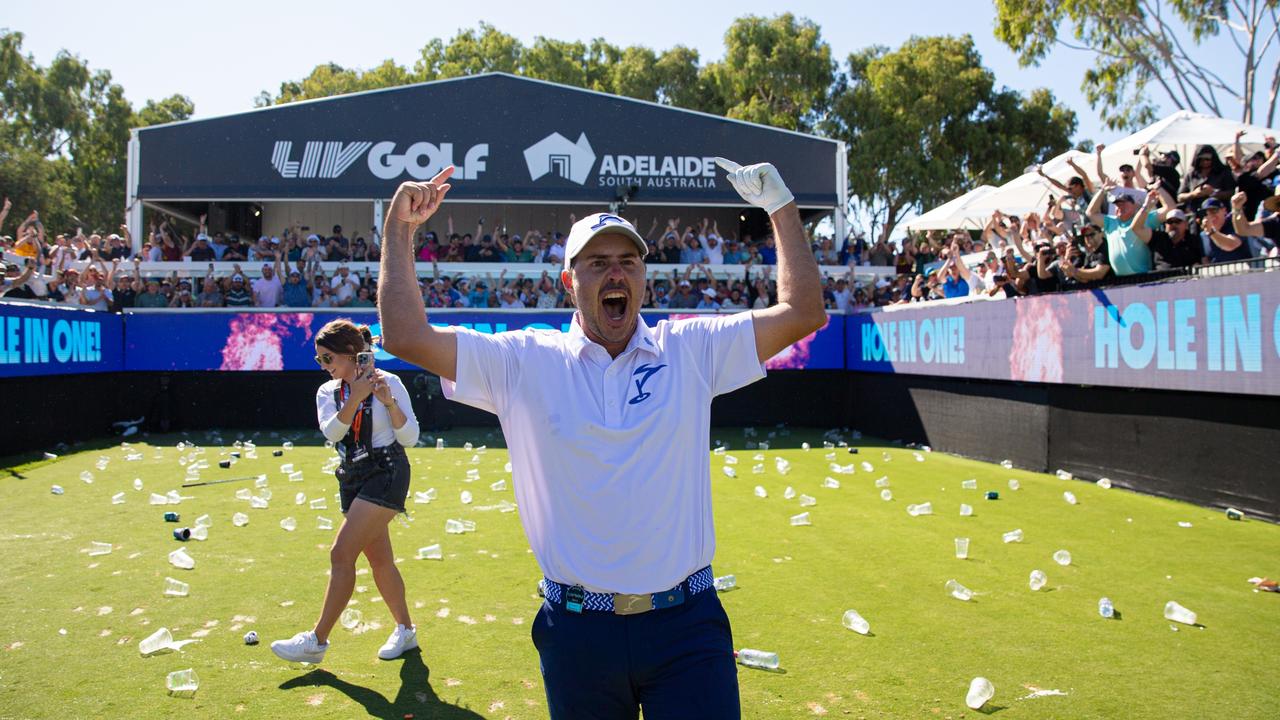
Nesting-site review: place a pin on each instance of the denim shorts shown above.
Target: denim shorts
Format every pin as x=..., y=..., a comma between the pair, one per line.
x=382, y=478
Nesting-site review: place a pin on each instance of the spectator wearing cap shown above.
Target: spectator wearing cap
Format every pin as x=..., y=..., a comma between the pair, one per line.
x=294, y=293
x=183, y=298
x=236, y=249
x=462, y=286
x=337, y=247
x=708, y=300
x=684, y=297
x=508, y=300
x=151, y=297
x=124, y=294
x=239, y=295
x=1174, y=247
x=555, y=252
x=1219, y=239
x=486, y=252
x=479, y=295
x=344, y=284
x=1209, y=177
x=15, y=280
x=1127, y=231
x=200, y=250
x=1129, y=183
x=733, y=254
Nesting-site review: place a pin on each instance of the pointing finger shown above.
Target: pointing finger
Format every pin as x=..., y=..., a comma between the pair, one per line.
x=443, y=175
x=727, y=165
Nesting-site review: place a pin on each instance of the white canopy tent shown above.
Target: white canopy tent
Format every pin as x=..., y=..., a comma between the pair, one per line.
x=951, y=215
x=1183, y=131
x=1030, y=192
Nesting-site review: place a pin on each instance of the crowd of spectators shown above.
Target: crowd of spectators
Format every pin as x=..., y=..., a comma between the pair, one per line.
x=102, y=272
x=1095, y=229
x=1149, y=222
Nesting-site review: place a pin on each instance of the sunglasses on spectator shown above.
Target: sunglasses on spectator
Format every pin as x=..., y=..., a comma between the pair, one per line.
x=1173, y=221
x=324, y=359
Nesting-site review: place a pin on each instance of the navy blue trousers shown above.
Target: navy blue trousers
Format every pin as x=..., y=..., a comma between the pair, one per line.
x=674, y=663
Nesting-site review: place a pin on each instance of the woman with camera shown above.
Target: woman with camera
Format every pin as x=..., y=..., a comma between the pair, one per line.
x=368, y=414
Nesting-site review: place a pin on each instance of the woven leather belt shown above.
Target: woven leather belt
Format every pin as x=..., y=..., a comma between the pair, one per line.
x=577, y=599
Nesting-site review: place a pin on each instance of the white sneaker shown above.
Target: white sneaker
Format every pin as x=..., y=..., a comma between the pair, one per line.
x=302, y=647
x=402, y=640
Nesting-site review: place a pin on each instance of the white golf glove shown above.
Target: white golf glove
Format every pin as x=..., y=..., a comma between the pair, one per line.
x=758, y=184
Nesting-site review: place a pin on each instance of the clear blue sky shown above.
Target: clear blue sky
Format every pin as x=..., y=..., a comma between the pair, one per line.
x=222, y=55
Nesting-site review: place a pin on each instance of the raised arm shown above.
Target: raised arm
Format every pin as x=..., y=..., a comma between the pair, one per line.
x=1097, y=154
x=1088, y=184
x=1138, y=226
x=405, y=331
x=1094, y=211
x=799, y=310
x=1243, y=226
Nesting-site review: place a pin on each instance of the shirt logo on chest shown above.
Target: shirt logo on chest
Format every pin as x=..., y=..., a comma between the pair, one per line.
x=642, y=374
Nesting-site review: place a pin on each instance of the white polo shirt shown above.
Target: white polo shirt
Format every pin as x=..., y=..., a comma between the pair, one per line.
x=610, y=457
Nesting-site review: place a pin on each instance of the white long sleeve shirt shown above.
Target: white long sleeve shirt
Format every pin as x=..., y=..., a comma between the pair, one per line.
x=383, y=433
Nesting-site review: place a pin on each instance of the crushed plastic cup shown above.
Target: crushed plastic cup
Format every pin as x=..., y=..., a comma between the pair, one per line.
x=498, y=485
x=801, y=519
x=173, y=497
x=175, y=588
x=965, y=510
x=259, y=503
x=421, y=498
x=287, y=445
x=958, y=591
x=87, y=477
x=882, y=482
x=804, y=446
x=295, y=476
x=182, y=682
x=1006, y=464
x=244, y=494
x=831, y=483
x=808, y=501
x=200, y=532
x=260, y=481
x=204, y=521
x=728, y=472
x=1014, y=484
x=730, y=460
x=1177, y=613
x=473, y=474
x=181, y=560
x=789, y=493
x=239, y=519
x=319, y=503
x=431, y=552
x=757, y=469
x=117, y=499
x=350, y=618
x=1105, y=608
x=158, y=499
x=855, y=622
x=323, y=523
x=1064, y=475
x=980, y=691
x=867, y=467
x=886, y=494
x=300, y=499
x=970, y=484
x=99, y=548
x=157, y=642
x=1013, y=536
x=725, y=582
x=137, y=483
x=761, y=492
x=917, y=456
x=1062, y=557
x=962, y=548
x=465, y=497
x=439, y=443
x=921, y=509
x=454, y=527
x=289, y=524
x=1070, y=497
x=1104, y=483
x=286, y=468
x=56, y=490
x=1037, y=580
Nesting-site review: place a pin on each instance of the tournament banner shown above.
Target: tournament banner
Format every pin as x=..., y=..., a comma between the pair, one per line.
x=1213, y=335
x=40, y=339
x=258, y=341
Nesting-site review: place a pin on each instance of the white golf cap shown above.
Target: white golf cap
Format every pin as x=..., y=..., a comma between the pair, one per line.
x=595, y=224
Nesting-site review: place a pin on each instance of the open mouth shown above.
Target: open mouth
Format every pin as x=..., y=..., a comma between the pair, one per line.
x=614, y=304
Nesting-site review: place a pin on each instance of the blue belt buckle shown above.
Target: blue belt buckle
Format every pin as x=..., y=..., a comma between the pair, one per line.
x=669, y=598
x=573, y=598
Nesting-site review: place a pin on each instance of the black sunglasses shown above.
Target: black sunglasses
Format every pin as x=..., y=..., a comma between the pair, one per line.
x=324, y=359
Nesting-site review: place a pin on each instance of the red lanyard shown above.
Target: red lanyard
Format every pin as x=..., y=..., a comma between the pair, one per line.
x=359, y=418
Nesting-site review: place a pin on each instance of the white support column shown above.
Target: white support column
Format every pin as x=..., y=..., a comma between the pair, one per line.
x=133, y=207
x=377, y=219
x=842, y=196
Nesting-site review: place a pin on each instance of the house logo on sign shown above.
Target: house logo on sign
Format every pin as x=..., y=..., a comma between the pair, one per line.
x=555, y=154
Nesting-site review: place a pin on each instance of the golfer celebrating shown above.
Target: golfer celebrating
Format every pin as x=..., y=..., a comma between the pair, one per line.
x=608, y=427
x=368, y=413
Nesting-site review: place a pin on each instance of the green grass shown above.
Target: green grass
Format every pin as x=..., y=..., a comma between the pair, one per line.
x=794, y=584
